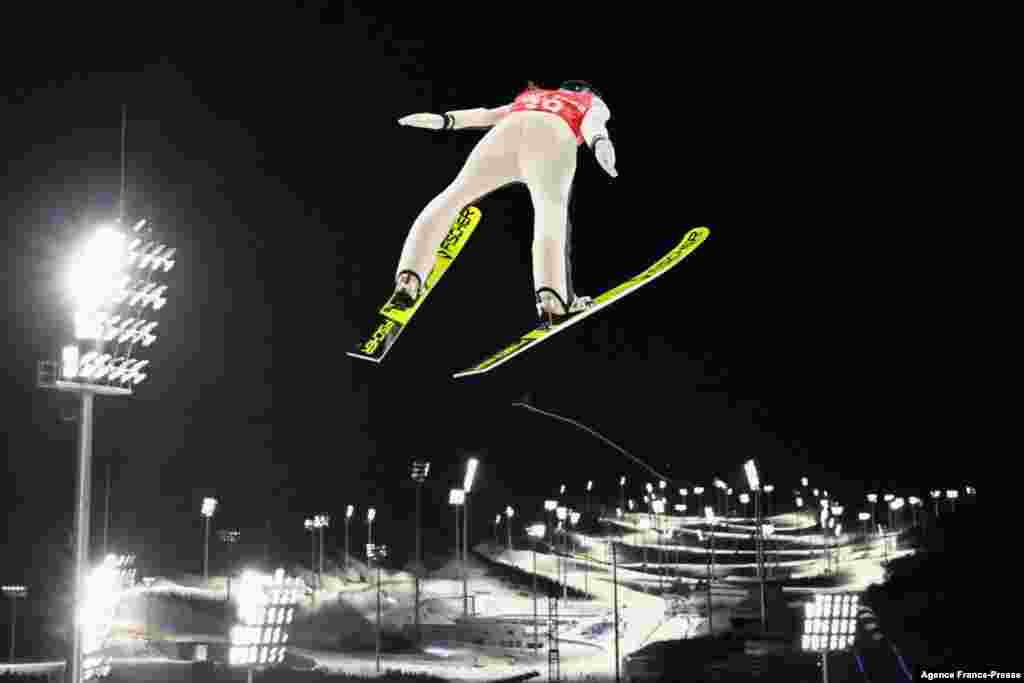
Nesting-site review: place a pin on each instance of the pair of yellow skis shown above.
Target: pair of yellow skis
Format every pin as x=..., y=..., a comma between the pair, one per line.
x=391, y=320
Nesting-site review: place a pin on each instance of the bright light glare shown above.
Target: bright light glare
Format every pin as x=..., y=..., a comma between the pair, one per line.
x=536, y=530
x=751, y=469
x=471, y=466
x=96, y=273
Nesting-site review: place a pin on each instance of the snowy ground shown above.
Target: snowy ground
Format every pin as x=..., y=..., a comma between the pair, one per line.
x=336, y=626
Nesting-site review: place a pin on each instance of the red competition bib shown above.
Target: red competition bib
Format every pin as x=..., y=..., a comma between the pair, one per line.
x=570, y=106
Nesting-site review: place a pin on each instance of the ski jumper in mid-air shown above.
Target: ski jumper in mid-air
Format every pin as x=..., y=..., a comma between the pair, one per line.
x=533, y=141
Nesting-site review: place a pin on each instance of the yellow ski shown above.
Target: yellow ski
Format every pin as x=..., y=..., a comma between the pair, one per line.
x=391, y=320
x=690, y=242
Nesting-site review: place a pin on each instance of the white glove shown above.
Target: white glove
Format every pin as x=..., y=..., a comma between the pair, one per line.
x=431, y=121
x=604, y=151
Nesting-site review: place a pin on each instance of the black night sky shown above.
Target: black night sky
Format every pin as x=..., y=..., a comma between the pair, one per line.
x=821, y=328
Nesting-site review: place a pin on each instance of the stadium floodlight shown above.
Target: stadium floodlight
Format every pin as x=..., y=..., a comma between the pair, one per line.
x=561, y=490
x=679, y=507
x=914, y=500
x=662, y=484
x=550, y=505
x=509, y=512
x=803, y=481
x=658, y=506
x=719, y=483
x=888, y=497
x=349, y=511
x=744, y=498
x=829, y=625
x=970, y=490
x=456, y=497
x=896, y=504
x=574, y=518
x=815, y=492
x=266, y=608
x=683, y=493
x=837, y=510
x=768, y=488
x=872, y=497
x=590, y=484
x=952, y=493
x=561, y=512
x=799, y=502
x=632, y=504
x=750, y=467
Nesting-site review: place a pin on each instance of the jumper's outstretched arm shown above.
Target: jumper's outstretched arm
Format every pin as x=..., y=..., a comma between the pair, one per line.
x=478, y=118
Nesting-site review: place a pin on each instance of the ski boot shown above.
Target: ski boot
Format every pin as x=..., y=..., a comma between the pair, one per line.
x=551, y=309
x=407, y=291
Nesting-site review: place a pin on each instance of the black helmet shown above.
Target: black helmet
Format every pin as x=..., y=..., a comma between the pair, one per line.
x=580, y=86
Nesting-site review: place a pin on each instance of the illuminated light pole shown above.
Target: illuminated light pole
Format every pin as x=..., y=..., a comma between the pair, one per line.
x=535, y=532
x=915, y=503
x=586, y=503
x=829, y=625
x=659, y=509
x=371, y=515
x=952, y=495
x=374, y=554
x=266, y=608
x=550, y=506
x=823, y=522
x=562, y=513
x=310, y=526
x=745, y=500
x=768, y=489
x=622, y=491
x=349, y=511
x=803, y=482
x=866, y=518
x=497, y=521
x=509, y=513
x=889, y=498
x=112, y=282
x=936, y=495
x=209, y=507
x=457, y=498
x=873, y=499
x=574, y=519
x=699, y=492
x=229, y=537
x=721, y=486
x=709, y=516
x=420, y=471
x=321, y=522
x=754, y=481
x=467, y=486
x=14, y=593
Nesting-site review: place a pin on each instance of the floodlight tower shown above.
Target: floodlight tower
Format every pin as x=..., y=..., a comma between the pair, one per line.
x=586, y=502
x=699, y=492
x=209, y=507
x=371, y=515
x=420, y=470
x=622, y=491
x=266, y=608
x=113, y=281
x=829, y=625
x=14, y=593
